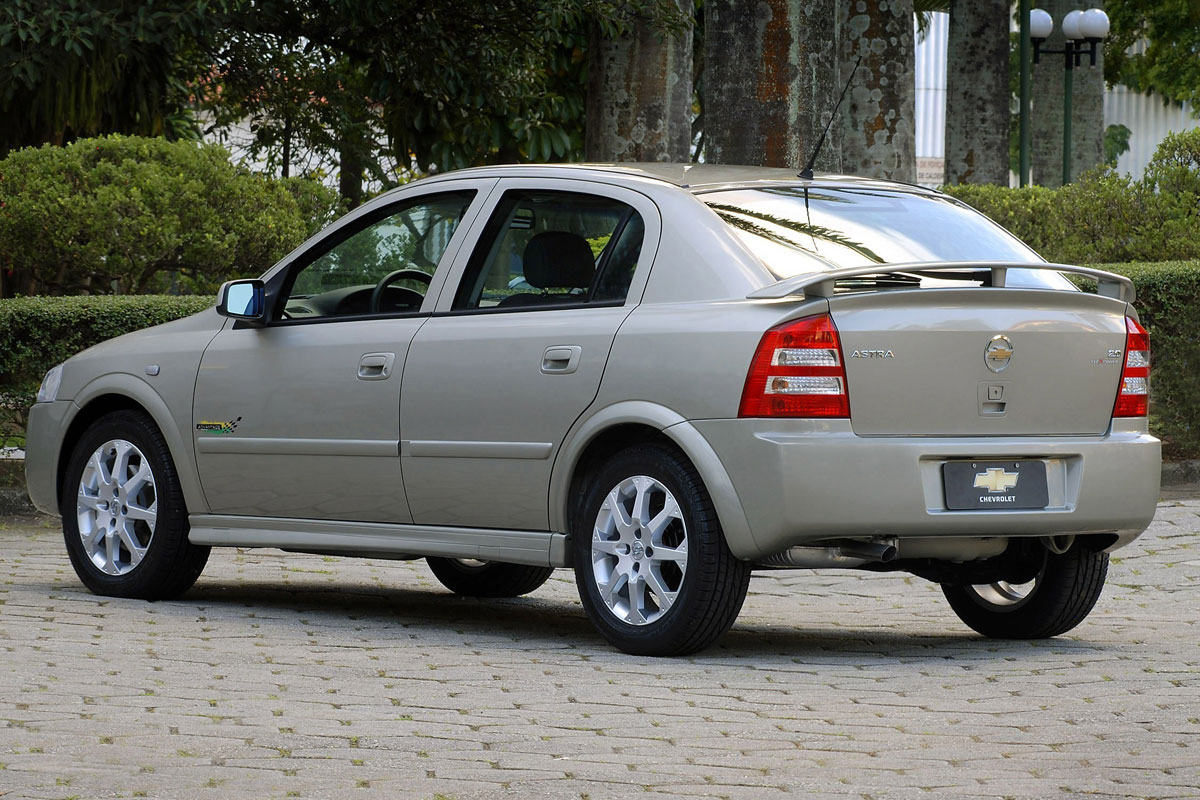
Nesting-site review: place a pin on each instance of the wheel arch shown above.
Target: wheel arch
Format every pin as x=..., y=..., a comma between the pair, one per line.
x=633, y=422
x=125, y=392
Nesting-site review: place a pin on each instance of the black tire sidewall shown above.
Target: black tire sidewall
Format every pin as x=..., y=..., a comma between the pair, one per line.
x=171, y=527
x=668, y=634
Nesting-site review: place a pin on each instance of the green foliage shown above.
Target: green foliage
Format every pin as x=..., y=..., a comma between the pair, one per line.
x=69, y=68
x=1168, y=303
x=132, y=215
x=39, y=332
x=1103, y=217
x=1116, y=142
x=1167, y=64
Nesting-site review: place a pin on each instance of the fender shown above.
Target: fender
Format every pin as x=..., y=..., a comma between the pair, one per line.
x=725, y=499
x=182, y=450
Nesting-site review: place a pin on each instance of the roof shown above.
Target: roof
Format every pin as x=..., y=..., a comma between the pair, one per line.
x=694, y=177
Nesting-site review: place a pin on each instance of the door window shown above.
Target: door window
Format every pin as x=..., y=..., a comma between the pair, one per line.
x=382, y=268
x=547, y=249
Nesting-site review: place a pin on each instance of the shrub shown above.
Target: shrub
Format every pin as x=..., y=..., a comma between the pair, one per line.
x=1104, y=217
x=129, y=215
x=1168, y=303
x=38, y=332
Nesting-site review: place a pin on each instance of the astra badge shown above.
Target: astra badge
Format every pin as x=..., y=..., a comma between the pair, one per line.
x=998, y=353
x=996, y=480
x=872, y=354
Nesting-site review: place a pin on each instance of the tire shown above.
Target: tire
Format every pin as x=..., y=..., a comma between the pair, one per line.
x=671, y=558
x=150, y=557
x=1059, y=598
x=488, y=578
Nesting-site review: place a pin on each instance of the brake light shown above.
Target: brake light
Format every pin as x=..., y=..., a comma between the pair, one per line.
x=1133, y=398
x=797, y=371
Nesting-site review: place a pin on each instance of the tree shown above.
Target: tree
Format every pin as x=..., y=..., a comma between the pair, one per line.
x=1167, y=64
x=770, y=82
x=880, y=141
x=70, y=69
x=639, y=97
x=977, y=92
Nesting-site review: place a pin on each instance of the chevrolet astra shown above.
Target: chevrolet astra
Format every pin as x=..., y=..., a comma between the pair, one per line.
x=663, y=377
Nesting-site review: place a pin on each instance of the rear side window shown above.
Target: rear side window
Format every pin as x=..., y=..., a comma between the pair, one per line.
x=544, y=250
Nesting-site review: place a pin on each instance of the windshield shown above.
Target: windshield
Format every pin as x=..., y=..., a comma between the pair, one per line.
x=794, y=230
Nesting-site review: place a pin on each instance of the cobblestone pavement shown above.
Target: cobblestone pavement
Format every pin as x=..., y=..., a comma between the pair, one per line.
x=302, y=676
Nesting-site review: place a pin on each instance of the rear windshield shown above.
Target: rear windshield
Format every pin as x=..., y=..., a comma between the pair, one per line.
x=795, y=230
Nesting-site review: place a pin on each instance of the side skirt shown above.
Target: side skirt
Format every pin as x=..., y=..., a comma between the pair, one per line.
x=537, y=548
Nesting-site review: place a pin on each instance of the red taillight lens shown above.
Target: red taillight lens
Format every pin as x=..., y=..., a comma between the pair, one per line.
x=797, y=372
x=1133, y=397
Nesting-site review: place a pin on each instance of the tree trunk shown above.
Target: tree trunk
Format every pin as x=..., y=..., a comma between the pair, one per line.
x=639, y=96
x=770, y=82
x=1087, y=117
x=350, y=173
x=880, y=141
x=977, y=92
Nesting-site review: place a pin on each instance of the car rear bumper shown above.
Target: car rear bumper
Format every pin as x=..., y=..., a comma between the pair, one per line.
x=43, y=441
x=802, y=480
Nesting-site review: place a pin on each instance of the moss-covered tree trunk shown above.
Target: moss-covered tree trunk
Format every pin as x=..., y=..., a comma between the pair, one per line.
x=977, y=92
x=770, y=82
x=639, y=95
x=879, y=111
x=1087, y=117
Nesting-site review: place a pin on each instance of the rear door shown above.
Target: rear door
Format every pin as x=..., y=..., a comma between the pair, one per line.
x=516, y=350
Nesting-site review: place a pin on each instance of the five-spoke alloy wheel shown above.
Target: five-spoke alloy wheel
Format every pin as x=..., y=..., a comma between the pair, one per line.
x=653, y=569
x=124, y=518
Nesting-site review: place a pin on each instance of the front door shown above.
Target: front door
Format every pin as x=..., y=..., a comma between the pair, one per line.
x=300, y=418
x=516, y=351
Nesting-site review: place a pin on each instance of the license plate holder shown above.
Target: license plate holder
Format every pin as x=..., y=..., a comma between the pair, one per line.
x=995, y=485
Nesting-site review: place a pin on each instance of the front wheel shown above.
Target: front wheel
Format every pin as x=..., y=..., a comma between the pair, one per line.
x=1059, y=597
x=124, y=518
x=651, y=563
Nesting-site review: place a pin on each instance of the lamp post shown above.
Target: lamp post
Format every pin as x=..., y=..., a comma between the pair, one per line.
x=1084, y=30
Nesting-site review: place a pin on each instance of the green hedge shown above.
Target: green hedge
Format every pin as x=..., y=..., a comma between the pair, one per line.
x=38, y=332
x=1168, y=303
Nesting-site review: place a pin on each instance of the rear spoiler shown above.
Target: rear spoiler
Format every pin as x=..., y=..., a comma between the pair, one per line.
x=821, y=284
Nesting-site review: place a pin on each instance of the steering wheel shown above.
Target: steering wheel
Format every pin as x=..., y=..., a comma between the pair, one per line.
x=410, y=296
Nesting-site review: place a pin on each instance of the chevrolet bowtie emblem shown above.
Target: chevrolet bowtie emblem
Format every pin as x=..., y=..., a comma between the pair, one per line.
x=996, y=480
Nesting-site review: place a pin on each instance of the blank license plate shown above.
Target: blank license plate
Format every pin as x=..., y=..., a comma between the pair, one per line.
x=994, y=485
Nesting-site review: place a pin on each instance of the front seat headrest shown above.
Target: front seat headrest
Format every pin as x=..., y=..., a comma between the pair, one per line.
x=559, y=260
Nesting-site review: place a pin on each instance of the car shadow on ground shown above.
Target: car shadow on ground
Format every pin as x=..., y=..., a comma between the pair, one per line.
x=533, y=623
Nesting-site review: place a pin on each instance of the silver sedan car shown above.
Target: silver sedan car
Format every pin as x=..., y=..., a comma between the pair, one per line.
x=664, y=377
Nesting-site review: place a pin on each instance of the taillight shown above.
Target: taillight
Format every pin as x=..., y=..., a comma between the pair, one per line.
x=1133, y=398
x=797, y=372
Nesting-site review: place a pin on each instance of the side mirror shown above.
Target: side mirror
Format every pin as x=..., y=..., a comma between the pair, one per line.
x=242, y=300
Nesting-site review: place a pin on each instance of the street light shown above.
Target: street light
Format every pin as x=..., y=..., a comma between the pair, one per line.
x=1084, y=30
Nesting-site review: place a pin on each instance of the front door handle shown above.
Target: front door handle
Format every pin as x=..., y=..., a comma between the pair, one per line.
x=561, y=359
x=376, y=366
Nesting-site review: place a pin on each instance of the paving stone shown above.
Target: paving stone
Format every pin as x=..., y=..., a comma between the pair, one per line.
x=288, y=675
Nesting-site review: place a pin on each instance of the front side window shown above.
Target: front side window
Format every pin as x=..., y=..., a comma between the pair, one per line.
x=546, y=249
x=383, y=268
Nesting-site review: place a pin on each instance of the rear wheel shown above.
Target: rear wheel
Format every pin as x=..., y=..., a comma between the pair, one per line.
x=474, y=578
x=124, y=520
x=653, y=569
x=1058, y=598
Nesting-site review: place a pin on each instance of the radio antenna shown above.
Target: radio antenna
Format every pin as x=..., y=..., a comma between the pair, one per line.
x=807, y=172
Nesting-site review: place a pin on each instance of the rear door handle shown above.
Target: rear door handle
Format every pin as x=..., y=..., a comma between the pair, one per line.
x=560, y=359
x=376, y=366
